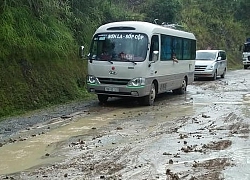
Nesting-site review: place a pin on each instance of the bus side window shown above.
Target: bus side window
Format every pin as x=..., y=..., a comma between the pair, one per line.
x=166, y=47
x=154, y=46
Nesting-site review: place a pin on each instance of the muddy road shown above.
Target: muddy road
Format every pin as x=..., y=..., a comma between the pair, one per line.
x=203, y=134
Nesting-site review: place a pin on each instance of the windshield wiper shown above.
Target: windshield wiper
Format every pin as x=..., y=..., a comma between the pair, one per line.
x=111, y=62
x=126, y=60
x=133, y=62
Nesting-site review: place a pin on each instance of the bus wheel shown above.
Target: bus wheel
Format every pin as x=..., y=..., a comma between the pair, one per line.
x=245, y=66
x=149, y=99
x=102, y=98
x=182, y=89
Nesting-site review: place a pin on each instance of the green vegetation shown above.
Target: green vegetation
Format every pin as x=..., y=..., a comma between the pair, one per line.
x=40, y=38
x=214, y=24
x=38, y=62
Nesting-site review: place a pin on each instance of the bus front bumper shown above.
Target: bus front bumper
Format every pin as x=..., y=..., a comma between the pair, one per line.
x=119, y=91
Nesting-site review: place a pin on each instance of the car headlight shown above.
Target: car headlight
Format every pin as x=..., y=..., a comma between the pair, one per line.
x=210, y=67
x=137, y=82
x=92, y=80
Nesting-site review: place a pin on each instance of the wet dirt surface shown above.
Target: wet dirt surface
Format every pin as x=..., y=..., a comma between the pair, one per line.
x=201, y=135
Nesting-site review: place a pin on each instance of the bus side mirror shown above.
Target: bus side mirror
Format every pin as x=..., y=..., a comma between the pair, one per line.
x=81, y=51
x=155, y=56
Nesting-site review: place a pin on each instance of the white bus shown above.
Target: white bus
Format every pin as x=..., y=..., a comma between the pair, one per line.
x=134, y=59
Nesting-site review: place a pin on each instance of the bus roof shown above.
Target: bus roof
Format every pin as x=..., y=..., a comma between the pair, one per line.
x=142, y=27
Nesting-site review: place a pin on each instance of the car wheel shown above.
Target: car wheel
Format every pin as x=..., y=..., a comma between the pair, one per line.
x=224, y=73
x=214, y=76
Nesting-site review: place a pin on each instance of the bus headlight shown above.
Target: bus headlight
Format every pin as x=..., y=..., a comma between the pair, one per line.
x=137, y=82
x=92, y=80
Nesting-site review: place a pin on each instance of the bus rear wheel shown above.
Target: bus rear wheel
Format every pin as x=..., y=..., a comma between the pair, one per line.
x=149, y=99
x=182, y=89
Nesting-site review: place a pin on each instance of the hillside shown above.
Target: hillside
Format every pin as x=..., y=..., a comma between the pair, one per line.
x=40, y=39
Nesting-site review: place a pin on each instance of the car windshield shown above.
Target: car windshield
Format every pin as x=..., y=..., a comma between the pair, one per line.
x=246, y=47
x=119, y=47
x=205, y=55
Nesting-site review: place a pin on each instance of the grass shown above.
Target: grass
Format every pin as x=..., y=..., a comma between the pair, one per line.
x=39, y=64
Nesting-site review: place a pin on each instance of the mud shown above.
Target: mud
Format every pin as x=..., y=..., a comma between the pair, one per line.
x=203, y=134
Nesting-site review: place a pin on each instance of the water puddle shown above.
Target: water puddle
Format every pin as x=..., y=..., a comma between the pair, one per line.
x=25, y=154
x=37, y=150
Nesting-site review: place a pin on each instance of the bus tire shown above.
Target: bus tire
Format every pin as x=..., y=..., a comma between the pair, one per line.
x=149, y=99
x=182, y=89
x=102, y=98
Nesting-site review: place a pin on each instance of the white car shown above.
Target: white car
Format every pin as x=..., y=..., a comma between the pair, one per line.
x=210, y=64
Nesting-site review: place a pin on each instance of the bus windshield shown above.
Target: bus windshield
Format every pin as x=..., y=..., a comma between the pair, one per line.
x=246, y=47
x=119, y=47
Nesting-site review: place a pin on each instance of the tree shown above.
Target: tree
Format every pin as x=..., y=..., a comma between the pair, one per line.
x=164, y=11
x=242, y=12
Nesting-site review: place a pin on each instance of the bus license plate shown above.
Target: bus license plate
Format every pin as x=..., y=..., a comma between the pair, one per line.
x=112, y=89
